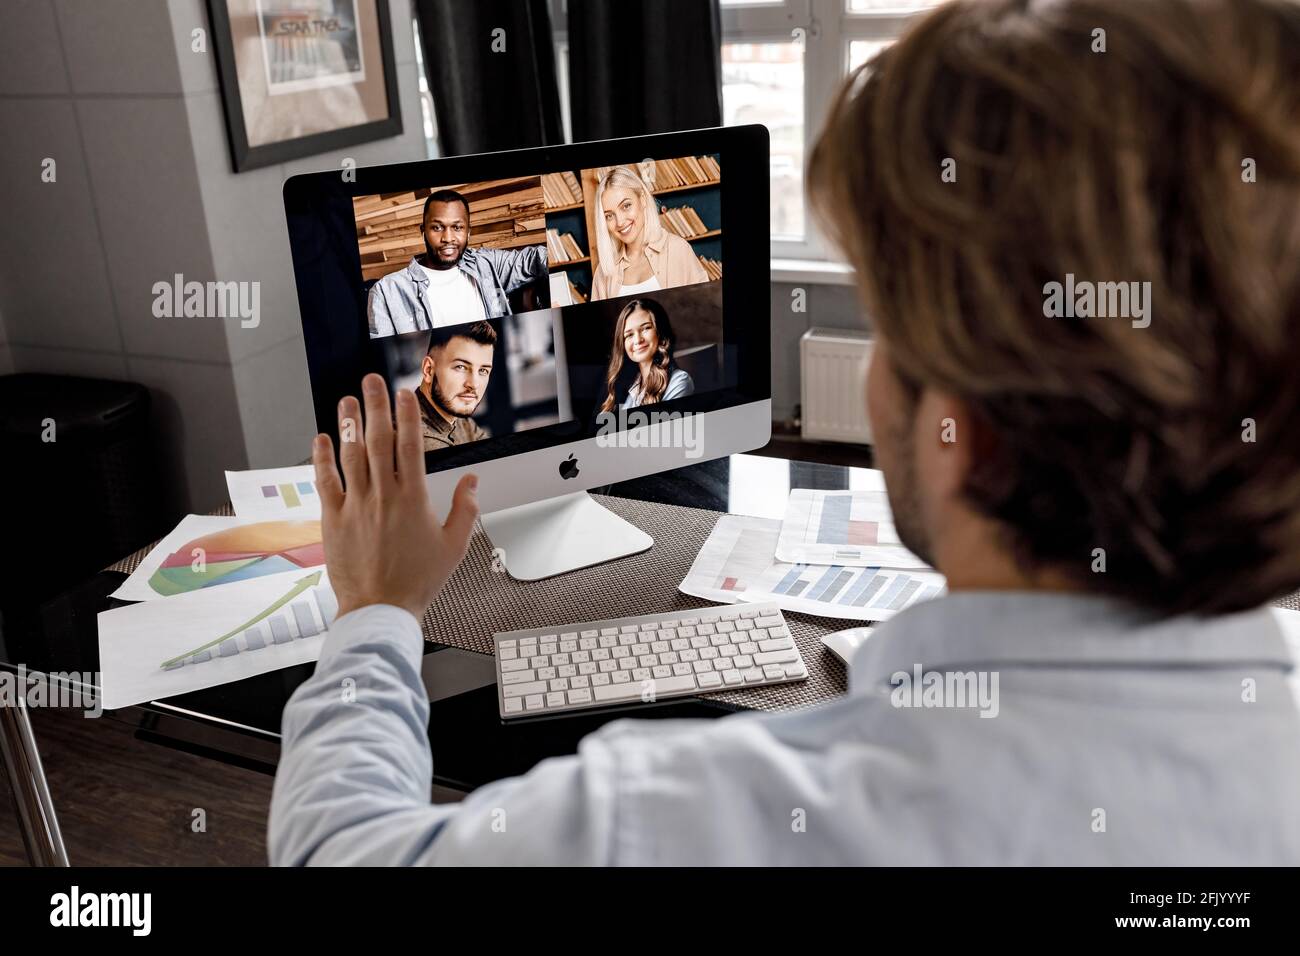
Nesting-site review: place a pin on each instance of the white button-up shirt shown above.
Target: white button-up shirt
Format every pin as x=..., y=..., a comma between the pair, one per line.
x=980, y=728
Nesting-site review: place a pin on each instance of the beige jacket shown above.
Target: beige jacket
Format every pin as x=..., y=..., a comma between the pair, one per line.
x=671, y=258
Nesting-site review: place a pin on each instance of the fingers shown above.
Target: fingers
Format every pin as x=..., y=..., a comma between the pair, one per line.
x=352, y=453
x=464, y=512
x=410, y=441
x=328, y=483
x=379, y=430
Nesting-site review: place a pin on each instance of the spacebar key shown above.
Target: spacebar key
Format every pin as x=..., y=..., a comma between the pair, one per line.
x=633, y=690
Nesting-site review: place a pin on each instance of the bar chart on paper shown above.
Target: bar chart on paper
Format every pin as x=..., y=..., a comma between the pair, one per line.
x=304, y=611
x=209, y=636
x=869, y=594
x=850, y=528
x=737, y=564
x=274, y=492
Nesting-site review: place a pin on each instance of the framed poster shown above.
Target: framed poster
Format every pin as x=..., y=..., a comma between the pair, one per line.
x=300, y=77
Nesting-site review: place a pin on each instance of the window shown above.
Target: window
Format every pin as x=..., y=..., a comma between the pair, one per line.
x=782, y=61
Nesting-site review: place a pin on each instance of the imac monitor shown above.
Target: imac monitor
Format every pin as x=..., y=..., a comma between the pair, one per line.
x=568, y=316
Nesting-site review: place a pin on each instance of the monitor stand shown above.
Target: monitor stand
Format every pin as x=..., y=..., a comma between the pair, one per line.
x=545, y=538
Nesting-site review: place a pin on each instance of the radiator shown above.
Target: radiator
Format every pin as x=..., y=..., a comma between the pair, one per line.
x=833, y=369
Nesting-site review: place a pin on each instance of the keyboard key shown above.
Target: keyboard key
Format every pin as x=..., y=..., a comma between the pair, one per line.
x=641, y=673
x=515, y=665
x=708, y=653
x=682, y=670
x=539, y=661
x=668, y=657
x=690, y=654
x=592, y=632
x=725, y=627
x=558, y=659
x=690, y=622
x=600, y=654
x=579, y=697
x=587, y=667
x=627, y=664
x=706, y=628
x=753, y=675
x=518, y=677
x=661, y=670
x=710, y=680
x=588, y=644
x=780, y=644
x=550, y=648
x=732, y=677
x=743, y=625
x=688, y=631
x=578, y=681
x=666, y=685
x=648, y=660
x=629, y=629
x=776, y=657
x=568, y=670
x=621, y=677
x=744, y=661
x=681, y=644
x=704, y=667
x=771, y=621
x=579, y=657
x=523, y=690
x=533, y=702
x=722, y=664
x=599, y=680
x=507, y=644
x=560, y=683
x=796, y=671
x=554, y=700
x=507, y=653
x=608, y=641
x=698, y=642
x=719, y=640
x=729, y=616
x=569, y=636
x=514, y=705
x=650, y=626
x=605, y=631
x=749, y=613
x=658, y=647
x=749, y=647
x=620, y=652
x=773, y=672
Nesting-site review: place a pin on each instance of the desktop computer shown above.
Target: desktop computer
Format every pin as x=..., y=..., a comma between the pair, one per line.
x=568, y=316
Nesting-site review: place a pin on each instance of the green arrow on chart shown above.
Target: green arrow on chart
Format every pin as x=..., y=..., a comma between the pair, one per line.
x=309, y=581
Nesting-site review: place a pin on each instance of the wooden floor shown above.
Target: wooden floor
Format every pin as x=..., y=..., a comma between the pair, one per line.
x=128, y=802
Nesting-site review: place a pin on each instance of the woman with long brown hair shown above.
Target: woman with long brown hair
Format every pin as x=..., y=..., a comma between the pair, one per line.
x=641, y=366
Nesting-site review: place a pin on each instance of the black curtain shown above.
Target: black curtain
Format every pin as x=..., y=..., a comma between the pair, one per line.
x=644, y=66
x=491, y=90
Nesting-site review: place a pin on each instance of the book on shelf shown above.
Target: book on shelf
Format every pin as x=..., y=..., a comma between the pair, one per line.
x=685, y=171
x=562, y=247
x=683, y=220
x=712, y=268
x=561, y=189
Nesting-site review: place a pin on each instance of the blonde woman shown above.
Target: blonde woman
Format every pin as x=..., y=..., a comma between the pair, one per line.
x=635, y=253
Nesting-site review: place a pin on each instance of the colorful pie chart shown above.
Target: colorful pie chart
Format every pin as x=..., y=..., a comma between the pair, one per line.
x=236, y=554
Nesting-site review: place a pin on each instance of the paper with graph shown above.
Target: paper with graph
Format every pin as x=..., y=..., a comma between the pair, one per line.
x=274, y=492
x=212, y=550
x=738, y=563
x=213, y=636
x=848, y=528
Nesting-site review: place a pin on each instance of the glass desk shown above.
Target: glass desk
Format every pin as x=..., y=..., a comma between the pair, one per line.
x=240, y=723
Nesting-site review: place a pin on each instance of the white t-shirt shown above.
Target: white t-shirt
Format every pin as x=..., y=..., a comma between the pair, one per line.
x=452, y=298
x=650, y=285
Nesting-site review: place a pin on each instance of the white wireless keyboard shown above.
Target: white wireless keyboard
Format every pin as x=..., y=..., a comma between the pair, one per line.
x=550, y=670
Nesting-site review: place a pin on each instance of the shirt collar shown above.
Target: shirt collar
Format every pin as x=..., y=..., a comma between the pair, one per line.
x=416, y=271
x=970, y=629
x=433, y=419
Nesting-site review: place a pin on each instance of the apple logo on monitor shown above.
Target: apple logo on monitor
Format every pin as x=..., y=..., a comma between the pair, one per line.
x=569, y=468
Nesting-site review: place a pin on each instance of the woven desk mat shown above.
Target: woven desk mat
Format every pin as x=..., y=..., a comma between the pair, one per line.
x=479, y=601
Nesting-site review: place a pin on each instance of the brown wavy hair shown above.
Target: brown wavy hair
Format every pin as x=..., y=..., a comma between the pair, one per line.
x=1173, y=158
x=618, y=378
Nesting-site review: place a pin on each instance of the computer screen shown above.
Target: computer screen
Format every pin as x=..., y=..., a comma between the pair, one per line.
x=536, y=298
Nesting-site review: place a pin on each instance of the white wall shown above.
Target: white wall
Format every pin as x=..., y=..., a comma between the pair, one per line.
x=111, y=90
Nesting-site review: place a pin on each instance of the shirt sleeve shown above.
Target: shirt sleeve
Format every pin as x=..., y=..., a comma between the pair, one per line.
x=518, y=267
x=353, y=782
x=679, y=384
x=381, y=322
